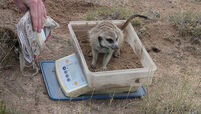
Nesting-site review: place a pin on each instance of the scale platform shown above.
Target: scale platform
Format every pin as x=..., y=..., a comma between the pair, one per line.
x=55, y=92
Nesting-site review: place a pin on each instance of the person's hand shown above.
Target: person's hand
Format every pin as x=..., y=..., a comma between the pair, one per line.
x=37, y=11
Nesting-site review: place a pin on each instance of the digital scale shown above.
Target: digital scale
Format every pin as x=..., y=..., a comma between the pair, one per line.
x=65, y=80
x=70, y=76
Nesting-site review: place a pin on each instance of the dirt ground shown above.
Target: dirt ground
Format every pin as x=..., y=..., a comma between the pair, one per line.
x=29, y=95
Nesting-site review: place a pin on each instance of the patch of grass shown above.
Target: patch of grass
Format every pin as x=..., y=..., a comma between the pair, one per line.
x=2, y=108
x=176, y=95
x=8, y=44
x=5, y=109
x=109, y=13
x=114, y=14
x=187, y=23
x=119, y=13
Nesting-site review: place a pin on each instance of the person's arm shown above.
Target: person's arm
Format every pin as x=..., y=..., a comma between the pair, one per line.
x=37, y=11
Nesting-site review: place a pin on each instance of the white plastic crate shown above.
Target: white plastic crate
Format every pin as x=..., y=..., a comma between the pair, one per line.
x=115, y=78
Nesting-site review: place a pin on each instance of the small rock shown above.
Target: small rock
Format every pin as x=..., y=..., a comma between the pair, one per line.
x=180, y=56
x=156, y=13
x=170, y=1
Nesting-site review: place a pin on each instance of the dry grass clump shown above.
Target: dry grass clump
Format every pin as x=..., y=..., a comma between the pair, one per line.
x=2, y=108
x=119, y=13
x=5, y=110
x=101, y=13
x=176, y=95
x=110, y=3
x=8, y=43
x=187, y=23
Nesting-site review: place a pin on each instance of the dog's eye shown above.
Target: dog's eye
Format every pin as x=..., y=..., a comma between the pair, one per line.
x=110, y=40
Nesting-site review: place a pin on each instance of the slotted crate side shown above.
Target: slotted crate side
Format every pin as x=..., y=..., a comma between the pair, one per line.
x=76, y=45
x=117, y=78
x=138, y=48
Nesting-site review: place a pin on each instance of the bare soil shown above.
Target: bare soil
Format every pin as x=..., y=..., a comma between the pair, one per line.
x=29, y=95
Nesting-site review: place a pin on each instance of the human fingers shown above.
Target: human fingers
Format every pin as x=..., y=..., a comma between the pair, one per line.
x=24, y=9
x=21, y=5
x=44, y=10
x=34, y=14
x=38, y=12
x=40, y=18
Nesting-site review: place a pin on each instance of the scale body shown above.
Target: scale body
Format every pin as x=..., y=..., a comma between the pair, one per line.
x=70, y=76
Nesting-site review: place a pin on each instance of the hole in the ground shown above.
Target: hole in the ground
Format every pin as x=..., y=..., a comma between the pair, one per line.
x=156, y=50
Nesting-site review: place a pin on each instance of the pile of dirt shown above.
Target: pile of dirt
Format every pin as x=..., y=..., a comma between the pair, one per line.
x=127, y=60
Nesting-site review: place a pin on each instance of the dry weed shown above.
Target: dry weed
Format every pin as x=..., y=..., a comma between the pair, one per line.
x=8, y=44
x=187, y=23
x=173, y=95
